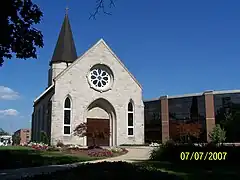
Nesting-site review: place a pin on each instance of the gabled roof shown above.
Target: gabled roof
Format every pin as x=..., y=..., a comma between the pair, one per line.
x=65, y=50
x=88, y=51
x=43, y=94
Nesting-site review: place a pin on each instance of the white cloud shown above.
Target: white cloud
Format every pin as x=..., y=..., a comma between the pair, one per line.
x=7, y=93
x=9, y=112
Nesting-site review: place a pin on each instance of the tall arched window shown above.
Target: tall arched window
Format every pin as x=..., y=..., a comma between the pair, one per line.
x=67, y=117
x=130, y=118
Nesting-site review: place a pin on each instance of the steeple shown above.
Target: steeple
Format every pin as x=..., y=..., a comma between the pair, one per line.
x=65, y=50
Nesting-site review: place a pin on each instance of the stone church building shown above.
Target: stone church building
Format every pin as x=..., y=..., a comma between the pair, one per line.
x=95, y=88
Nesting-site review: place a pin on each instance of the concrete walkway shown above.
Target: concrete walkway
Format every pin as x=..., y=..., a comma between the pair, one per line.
x=134, y=154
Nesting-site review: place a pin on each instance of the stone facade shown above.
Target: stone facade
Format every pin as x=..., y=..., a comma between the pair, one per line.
x=72, y=82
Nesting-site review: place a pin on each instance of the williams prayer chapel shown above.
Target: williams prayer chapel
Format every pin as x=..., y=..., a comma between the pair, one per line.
x=95, y=88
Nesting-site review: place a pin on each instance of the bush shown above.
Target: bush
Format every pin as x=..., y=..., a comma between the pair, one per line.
x=107, y=171
x=44, y=137
x=218, y=135
x=163, y=151
x=118, y=150
x=60, y=144
x=16, y=139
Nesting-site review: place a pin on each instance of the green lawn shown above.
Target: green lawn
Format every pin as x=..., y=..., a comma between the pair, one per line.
x=21, y=157
x=189, y=172
x=107, y=171
x=143, y=170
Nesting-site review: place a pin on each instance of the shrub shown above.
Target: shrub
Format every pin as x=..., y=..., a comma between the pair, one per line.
x=185, y=132
x=16, y=139
x=119, y=150
x=84, y=130
x=218, y=135
x=60, y=144
x=44, y=137
x=163, y=152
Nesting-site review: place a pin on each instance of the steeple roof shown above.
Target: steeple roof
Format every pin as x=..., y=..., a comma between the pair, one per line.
x=65, y=50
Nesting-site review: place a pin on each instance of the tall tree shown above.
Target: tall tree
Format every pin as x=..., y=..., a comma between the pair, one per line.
x=17, y=33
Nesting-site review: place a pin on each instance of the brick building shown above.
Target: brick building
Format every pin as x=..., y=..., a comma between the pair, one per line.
x=24, y=134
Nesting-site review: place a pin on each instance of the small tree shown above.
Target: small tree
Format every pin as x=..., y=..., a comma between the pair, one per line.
x=218, y=135
x=16, y=139
x=3, y=133
x=44, y=137
x=186, y=132
x=83, y=130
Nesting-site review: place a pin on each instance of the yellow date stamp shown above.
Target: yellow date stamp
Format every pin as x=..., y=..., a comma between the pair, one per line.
x=206, y=156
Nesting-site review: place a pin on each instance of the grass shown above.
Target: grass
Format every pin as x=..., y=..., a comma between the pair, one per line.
x=106, y=170
x=144, y=170
x=189, y=172
x=22, y=157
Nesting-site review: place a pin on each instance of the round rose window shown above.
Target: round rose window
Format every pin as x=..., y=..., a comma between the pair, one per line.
x=100, y=78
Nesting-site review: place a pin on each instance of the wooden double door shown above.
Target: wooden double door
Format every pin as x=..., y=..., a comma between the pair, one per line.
x=101, y=126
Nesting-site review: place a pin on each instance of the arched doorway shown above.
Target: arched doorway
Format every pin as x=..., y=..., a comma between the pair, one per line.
x=101, y=117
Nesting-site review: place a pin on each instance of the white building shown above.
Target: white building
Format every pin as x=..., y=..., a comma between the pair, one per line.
x=95, y=88
x=5, y=140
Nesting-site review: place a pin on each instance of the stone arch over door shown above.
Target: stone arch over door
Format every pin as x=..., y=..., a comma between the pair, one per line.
x=102, y=113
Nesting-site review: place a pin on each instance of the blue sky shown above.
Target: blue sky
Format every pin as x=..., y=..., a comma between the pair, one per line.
x=172, y=47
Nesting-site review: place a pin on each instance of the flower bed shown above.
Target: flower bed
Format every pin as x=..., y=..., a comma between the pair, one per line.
x=38, y=146
x=96, y=152
x=100, y=153
x=79, y=150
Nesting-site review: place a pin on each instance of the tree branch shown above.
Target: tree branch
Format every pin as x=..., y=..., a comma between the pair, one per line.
x=100, y=6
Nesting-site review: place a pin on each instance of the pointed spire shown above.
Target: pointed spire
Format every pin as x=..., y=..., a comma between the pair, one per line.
x=66, y=11
x=65, y=50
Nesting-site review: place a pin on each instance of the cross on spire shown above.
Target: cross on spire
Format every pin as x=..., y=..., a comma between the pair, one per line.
x=66, y=10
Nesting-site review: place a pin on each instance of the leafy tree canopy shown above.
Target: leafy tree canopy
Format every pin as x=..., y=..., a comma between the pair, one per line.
x=17, y=33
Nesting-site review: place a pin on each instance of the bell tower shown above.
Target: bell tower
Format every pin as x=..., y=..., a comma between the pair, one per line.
x=65, y=50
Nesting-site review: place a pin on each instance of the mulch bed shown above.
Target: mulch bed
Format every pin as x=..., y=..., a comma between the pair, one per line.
x=93, y=152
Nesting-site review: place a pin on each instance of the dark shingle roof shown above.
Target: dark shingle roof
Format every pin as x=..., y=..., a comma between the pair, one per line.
x=65, y=50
